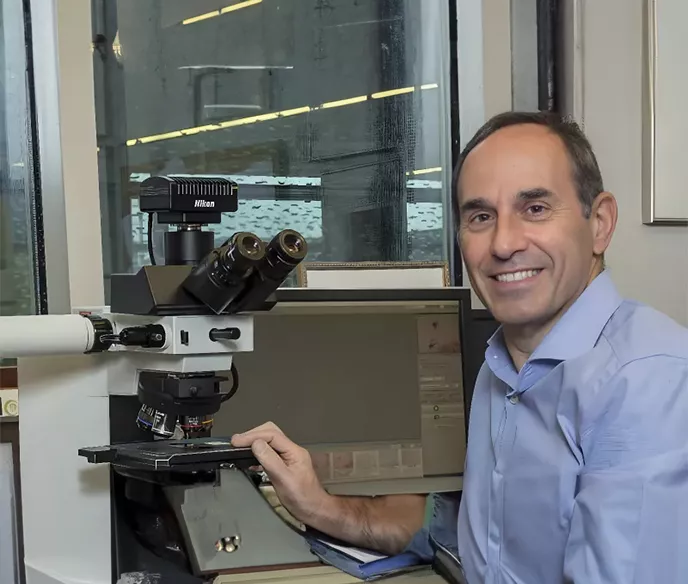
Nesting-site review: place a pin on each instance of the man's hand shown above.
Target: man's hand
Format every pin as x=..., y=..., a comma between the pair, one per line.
x=385, y=523
x=290, y=469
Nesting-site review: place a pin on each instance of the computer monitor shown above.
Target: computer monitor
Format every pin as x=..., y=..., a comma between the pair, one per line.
x=370, y=381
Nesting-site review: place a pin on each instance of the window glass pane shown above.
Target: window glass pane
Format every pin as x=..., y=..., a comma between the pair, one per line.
x=332, y=115
x=17, y=209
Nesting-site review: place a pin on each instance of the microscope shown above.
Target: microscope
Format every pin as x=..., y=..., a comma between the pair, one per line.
x=122, y=480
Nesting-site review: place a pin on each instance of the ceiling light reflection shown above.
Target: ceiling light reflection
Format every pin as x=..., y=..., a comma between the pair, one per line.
x=224, y=10
x=275, y=115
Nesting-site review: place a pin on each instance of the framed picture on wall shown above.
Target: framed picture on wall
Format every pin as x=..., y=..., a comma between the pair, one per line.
x=373, y=275
x=665, y=124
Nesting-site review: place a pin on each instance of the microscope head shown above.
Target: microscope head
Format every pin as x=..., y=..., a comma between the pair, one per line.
x=198, y=278
x=191, y=308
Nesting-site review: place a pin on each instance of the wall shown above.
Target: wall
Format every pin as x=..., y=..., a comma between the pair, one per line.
x=485, y=67
x=524, y=45
x=497, y=61
x=8, y=543
x=649, y=263
x=602, y=72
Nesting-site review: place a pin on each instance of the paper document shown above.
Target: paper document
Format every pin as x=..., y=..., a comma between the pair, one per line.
x=361, y=555
x=363, y=564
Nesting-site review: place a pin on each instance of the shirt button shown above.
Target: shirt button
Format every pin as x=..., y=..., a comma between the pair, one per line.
x=513, y=399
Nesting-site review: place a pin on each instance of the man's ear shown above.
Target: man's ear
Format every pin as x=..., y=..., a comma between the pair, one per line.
x=603, y=221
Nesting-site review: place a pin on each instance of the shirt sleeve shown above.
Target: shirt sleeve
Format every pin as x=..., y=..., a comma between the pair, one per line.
x=629, y=521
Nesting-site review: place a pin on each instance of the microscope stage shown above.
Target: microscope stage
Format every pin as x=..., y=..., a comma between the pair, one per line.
x=197, y=454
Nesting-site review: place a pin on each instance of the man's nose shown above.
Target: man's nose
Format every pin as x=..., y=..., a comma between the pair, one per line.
x=508, y=238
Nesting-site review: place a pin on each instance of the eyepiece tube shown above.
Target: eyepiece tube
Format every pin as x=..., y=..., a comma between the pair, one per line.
x=286, y=251
x=223, y=273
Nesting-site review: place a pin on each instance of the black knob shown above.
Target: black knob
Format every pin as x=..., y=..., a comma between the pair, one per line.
x=103, y=333
x=226, y=334
x=149, y=336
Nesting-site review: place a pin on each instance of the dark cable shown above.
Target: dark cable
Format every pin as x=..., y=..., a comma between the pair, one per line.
x=151, y=254
x=235, y=384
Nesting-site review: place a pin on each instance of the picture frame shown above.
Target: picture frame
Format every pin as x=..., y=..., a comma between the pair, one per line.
x=386, y=275
x=663, y=127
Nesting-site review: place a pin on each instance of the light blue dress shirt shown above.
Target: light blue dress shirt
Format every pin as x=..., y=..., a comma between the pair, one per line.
x=577, y=465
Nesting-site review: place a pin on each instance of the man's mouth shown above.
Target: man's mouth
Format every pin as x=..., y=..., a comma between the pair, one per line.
x=516, y=276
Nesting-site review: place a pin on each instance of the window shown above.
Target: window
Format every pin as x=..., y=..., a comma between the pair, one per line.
x=333, y=116
x=20, y=274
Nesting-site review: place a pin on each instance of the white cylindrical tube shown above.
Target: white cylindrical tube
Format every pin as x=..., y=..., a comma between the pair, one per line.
x=49, y=334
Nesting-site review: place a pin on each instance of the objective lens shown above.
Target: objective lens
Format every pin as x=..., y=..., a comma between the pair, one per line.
x=196, y=426
x=157, y=422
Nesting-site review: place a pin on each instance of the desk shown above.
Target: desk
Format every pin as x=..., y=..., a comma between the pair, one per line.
x=324, y=575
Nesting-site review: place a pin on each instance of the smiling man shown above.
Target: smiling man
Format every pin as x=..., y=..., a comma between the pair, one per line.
x=577, y=464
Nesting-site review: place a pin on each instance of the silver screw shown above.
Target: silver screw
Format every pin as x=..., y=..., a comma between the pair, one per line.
x=232, y=544
x=228, y=544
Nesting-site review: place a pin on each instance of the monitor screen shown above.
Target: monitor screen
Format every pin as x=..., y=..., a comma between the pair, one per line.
x=374, y=390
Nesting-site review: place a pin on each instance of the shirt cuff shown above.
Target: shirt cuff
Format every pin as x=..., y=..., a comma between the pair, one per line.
x=440, y=525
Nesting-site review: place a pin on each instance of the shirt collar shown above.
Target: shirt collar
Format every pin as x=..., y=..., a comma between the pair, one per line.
x=578, y=330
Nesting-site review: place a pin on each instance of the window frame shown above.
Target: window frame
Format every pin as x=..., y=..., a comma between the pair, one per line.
x=61, y=46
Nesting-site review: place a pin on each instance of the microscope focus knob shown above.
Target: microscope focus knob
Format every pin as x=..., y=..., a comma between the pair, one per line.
x=226, y=334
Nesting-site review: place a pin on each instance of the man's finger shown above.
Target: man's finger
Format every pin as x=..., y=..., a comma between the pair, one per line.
x=277, y=440
x=248, y=438
x=271, y=462
x=266, y=426
x=241, y=440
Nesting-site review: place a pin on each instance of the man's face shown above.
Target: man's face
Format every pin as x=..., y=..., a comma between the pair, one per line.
x=526, y=243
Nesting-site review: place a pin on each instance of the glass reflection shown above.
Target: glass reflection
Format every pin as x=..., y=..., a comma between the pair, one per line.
x=332, y=115
x=17, y=266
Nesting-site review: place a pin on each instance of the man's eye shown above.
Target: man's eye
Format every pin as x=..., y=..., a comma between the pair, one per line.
x=480, y=218
x=536, y=209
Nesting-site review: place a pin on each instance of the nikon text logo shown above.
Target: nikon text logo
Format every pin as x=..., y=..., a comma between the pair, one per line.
x=204, y=204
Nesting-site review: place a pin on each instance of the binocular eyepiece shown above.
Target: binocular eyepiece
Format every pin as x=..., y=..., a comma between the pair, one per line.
x=241, y=274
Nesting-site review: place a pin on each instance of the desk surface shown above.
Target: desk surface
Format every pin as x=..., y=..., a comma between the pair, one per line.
x=323, y=575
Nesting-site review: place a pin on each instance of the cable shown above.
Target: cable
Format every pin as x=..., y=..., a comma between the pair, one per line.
x=235, y=384
x=151, y=254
